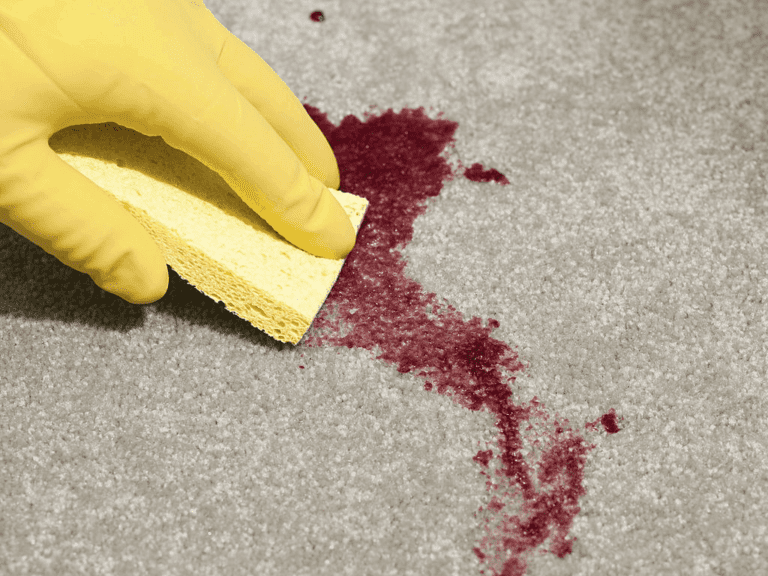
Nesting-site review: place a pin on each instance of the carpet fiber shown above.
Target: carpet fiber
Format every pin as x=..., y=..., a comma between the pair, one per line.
x=606, y=219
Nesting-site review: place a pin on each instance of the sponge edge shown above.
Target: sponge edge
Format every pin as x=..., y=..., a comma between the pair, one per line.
x=205, y=231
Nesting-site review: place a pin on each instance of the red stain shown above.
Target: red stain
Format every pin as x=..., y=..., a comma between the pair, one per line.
x=317, y=16
x=477, y=174
x=534, y=469
x=609, y=422
x=483, y=457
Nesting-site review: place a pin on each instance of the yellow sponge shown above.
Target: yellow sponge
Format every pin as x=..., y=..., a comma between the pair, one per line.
x=205, y=231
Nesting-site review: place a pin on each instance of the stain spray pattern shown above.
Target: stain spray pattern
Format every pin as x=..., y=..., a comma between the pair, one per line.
x=534, y=468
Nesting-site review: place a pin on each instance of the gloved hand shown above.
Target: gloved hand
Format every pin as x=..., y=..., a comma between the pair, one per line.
x=160, y=67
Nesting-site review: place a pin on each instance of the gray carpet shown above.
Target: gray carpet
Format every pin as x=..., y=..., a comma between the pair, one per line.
x=625, y=262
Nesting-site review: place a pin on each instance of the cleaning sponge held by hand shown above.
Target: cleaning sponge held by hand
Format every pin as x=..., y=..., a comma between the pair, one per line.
x=163, y=68
x=205, y=231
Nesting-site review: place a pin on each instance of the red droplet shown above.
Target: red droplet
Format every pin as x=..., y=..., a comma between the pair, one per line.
x=483, y=457
x=608, y=421
x=477, y=174
x=317, y=16
x=394, y=161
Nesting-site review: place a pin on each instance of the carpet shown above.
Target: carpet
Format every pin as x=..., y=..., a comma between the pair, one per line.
x=546, y=354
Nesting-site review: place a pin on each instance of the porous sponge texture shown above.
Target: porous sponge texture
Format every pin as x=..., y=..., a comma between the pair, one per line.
x=205, y=231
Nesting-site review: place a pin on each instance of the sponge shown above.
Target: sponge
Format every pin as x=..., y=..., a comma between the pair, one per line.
x=204, y=230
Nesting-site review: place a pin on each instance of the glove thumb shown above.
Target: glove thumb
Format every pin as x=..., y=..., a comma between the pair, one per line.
x=59, y=209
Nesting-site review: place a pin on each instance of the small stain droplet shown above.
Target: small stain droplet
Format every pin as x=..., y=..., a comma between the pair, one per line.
x=475, y=173
x=317, y=16
x=609, y=422
x=483, y=457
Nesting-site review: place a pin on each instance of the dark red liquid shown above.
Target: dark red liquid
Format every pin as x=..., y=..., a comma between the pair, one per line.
x=477, y=174
x=394, y=161
x=608, y=421
x=317, y=16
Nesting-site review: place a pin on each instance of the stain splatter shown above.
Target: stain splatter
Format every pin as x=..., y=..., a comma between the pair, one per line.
x=534, y=467
x=477, y=174
x=317, y=16
x=609, y=422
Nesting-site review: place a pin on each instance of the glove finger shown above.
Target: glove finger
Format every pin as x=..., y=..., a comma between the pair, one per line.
x=266, y=91
x=223, y=131
x=59, y=209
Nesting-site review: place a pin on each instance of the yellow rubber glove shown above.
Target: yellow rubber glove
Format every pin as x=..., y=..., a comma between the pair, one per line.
x=160, y=67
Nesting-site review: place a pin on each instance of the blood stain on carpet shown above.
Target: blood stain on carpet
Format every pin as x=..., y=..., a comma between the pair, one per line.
x=534, y=468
